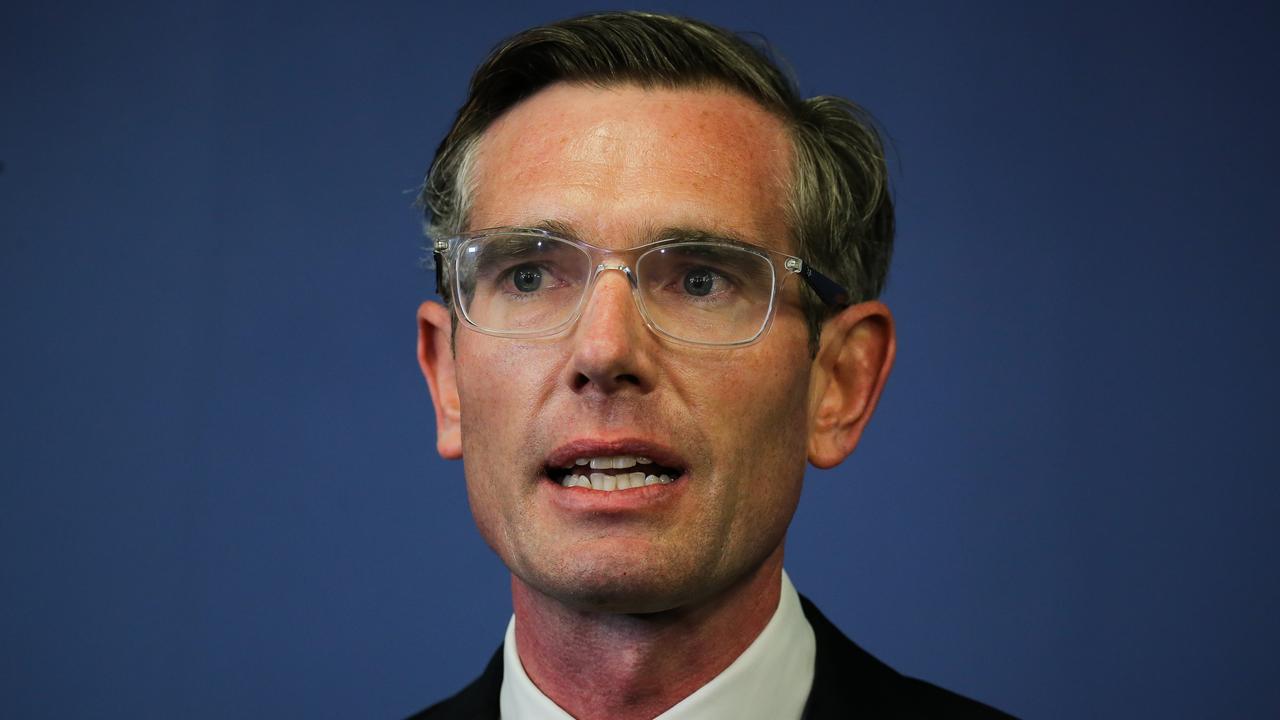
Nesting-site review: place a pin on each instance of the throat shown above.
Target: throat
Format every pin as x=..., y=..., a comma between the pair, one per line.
x=622, y=666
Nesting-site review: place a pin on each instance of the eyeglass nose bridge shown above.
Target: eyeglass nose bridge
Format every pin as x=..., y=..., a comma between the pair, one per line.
x=632, y=283
x=623, y=268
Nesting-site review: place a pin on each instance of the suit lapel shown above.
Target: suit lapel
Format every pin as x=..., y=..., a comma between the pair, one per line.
x=847, y=680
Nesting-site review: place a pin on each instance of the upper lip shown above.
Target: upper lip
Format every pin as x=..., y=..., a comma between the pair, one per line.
x=565, y=454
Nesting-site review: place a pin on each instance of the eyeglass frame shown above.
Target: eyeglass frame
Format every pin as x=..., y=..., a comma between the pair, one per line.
x=830, y=292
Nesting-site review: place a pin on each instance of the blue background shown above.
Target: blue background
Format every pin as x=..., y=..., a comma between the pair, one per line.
x=219, y=491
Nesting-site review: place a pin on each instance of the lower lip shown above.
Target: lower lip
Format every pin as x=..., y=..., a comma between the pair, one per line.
x=580, y=499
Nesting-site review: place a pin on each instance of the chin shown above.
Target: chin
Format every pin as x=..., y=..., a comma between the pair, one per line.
x=617, y=585
x=629, y=598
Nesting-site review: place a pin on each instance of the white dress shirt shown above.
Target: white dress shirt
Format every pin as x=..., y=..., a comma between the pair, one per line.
x=770, y=680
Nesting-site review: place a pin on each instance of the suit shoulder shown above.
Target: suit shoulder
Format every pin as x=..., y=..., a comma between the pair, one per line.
x=477, y=701
x=849, y=680
x=923, y=699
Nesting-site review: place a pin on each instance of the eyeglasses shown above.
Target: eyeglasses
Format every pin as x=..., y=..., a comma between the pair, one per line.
x=528, y=283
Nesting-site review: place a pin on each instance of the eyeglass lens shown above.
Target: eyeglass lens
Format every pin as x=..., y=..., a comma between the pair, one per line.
x=699, y=291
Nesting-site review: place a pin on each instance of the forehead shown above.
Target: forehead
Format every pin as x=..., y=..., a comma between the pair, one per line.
x=622, y=162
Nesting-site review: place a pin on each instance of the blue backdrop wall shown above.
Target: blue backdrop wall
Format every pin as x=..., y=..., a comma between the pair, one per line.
x=218, y=489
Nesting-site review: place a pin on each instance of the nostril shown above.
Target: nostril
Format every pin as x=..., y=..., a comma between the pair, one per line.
x=581, y=380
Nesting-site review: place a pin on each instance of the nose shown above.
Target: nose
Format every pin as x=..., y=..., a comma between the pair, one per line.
x=610, y=344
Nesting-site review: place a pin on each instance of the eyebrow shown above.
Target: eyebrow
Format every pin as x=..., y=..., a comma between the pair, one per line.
x=556, y=227
x=689, y=232
x=670, y=232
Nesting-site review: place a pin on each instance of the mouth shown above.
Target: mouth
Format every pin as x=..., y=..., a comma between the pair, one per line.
x=612, y=469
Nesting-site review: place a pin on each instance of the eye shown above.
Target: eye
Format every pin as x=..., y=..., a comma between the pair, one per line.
x=527, y=278
x=699, y=282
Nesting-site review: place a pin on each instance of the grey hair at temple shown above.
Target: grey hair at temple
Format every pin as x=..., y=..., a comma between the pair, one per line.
x=839, y=208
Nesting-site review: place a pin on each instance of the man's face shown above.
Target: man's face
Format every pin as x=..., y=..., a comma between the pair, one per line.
x=617, y=166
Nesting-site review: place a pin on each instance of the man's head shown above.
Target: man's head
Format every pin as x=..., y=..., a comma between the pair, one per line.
x=614, y=130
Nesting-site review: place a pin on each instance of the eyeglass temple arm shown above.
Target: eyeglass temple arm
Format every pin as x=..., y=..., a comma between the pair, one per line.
x=438, y=250
x=829, y=291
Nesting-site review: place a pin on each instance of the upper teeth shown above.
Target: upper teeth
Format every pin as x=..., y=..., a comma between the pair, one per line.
x=611, y=461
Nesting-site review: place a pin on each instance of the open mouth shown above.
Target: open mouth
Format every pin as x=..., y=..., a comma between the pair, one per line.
x=613, y=472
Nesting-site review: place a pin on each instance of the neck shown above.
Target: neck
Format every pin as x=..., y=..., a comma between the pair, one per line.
x=625, y=667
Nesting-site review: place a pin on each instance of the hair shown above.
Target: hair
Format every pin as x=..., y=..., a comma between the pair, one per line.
x=838, y=205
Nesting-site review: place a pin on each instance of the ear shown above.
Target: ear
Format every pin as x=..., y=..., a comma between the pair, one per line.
x=854, y=358
x=435, y=356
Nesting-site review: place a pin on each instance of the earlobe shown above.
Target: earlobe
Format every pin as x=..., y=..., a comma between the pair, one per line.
x=849, y=373
x=435, y=357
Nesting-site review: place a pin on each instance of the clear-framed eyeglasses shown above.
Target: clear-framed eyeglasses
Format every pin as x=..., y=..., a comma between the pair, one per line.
x=529, y=283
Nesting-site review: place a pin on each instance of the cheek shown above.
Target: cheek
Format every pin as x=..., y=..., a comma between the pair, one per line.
x=769, y=386
x=778, y=408
x=498, y=395
x=761, y=451
x=760, y=413
x=499, y=382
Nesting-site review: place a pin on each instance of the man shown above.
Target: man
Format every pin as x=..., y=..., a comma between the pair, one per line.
x=660, y=267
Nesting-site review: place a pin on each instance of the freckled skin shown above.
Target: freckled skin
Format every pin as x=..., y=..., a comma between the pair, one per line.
x=618, y=164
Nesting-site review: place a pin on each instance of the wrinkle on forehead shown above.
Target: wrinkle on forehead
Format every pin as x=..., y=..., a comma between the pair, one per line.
x=692, y=151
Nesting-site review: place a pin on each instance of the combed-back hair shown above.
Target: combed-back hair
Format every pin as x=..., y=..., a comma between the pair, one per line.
x=839, y=209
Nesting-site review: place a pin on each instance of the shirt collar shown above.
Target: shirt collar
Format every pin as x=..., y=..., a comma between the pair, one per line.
x=769, y=680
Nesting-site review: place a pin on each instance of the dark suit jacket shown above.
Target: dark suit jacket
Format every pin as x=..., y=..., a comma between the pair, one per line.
x=847, y=683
